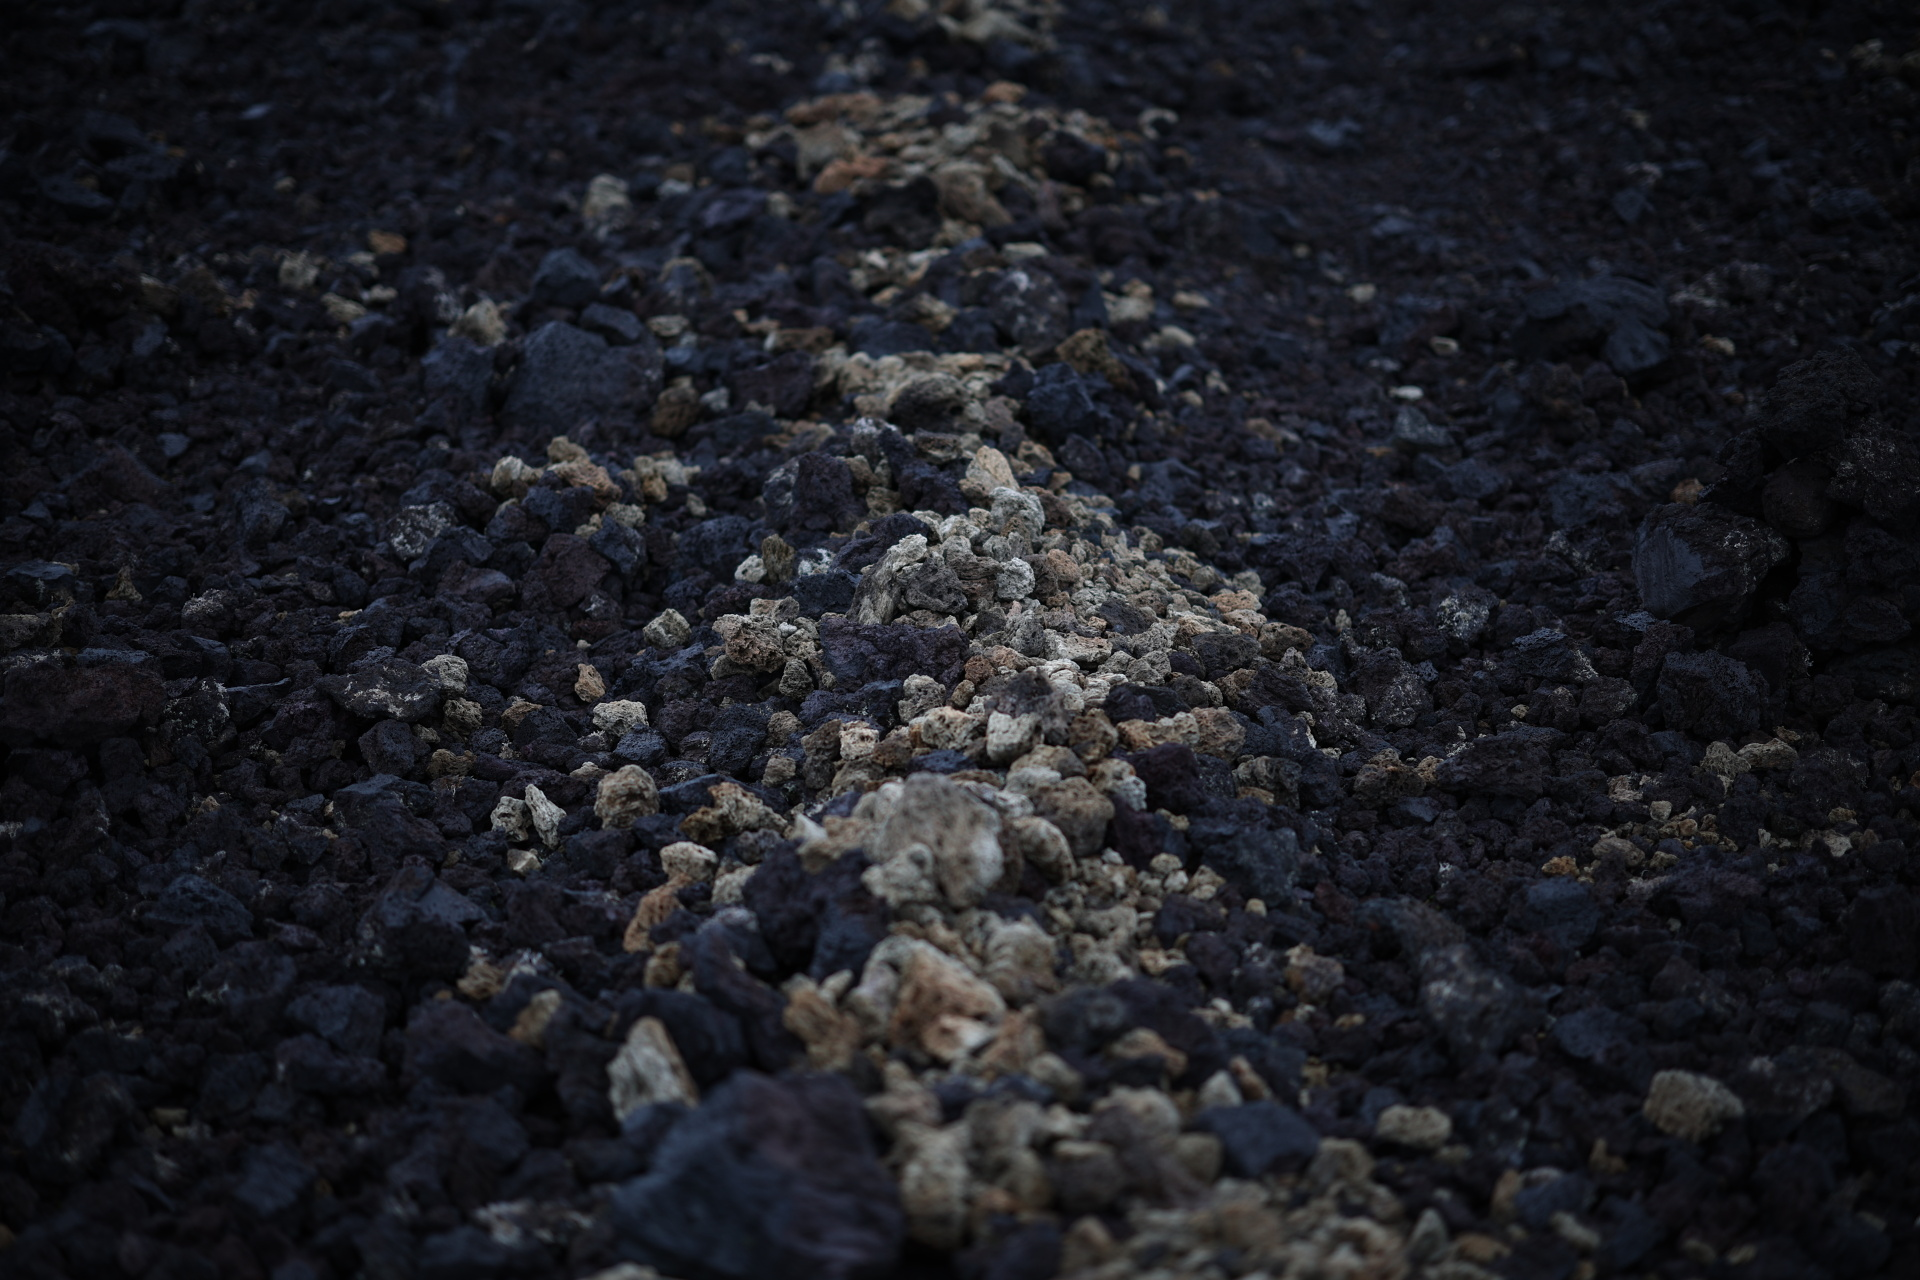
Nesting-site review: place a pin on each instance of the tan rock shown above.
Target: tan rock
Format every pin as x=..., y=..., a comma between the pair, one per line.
x=1039, y=843
x=903, y=1103
x=530, y=1027
x=1690, y=1106
x=935, y=1184
x=1421, y=1128
x=988, y=471
x=624, y=796
x=653, y=909
x=582, y=474
x=1144, y=1043
x=832, y=1036
x=1081, y=813
x=589, y=685
x=1313, y=977
x=948, y=729
x=943, y=1010
x=648, y=1069
x=964, y=194
x=1216, y=733
x=619, y=717
x=1015, y=1047
x=1092, y=736
x=1020, y=961
x=734, y=810
x=1772, y=754
x=688, y=861
x=1200, y=1155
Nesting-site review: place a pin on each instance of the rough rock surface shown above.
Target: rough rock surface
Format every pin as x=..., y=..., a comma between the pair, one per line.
x=984, y=639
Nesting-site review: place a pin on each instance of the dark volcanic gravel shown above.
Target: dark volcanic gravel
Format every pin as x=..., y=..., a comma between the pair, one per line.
x=972, y=639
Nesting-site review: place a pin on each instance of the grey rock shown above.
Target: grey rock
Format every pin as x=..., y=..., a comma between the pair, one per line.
x=348, y=1017
x=1029, y=309
x=1552, y=655
x=1845, y=204
x=192, y=900
x=389, y=688
x=567, y=375
x=1413, y=433
x=768, y=1178
x=458, y=368
x=1563, y=909
x=273, y=1180
x=1477, y=1010
x=1635, y=348
x=1474, y=480
x=1258, y=1138
x=1514, y=763
x=413, y=529
x=619, y=326
x=1710, y=694
x=565, y=279
x=1878, y=471
x=1702, y=563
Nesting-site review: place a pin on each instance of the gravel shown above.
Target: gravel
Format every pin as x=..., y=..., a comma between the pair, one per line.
x=994, y=640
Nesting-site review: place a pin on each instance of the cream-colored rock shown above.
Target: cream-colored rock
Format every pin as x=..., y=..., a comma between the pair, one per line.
x=988, y=471
x=1041, y=845
x=935, y=1184
x=689, y=862
x=730, y=886
x=1422, y=1128
x=1772, y=754
x=648, y=1069
x=1690, y=1106
x=904, y=879
x=961, y=831
x=1009, y=737
x=948, y=729
x=1220, y=1090
x=668, y=630
x=858, y=739
x=627, y=794
x=1721, y=758
x=449, y=670
x=510, y=815
x=619, y=717
x=545, y=815
x=1020, y=961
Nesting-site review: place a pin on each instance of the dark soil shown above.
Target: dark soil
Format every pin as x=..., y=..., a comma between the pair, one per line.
x=958, y=639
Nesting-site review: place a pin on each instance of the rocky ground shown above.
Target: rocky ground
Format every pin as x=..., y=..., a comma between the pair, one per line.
x=959, y=638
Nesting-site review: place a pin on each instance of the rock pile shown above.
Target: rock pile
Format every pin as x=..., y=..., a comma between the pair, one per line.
x=917, y=678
